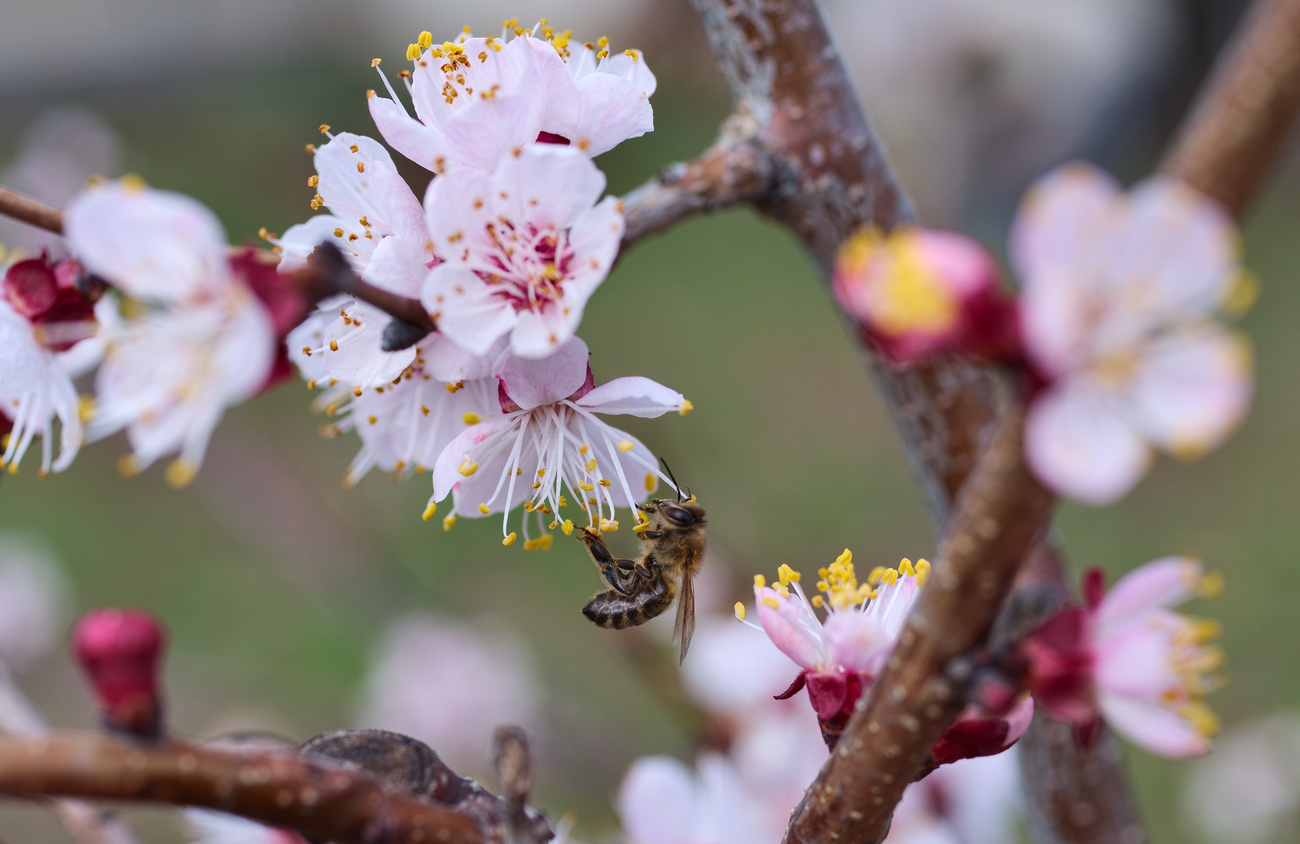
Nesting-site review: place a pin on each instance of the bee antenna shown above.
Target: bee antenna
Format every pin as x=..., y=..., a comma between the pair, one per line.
x=671, y=478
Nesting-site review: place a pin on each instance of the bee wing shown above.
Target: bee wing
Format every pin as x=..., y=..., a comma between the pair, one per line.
x=684, y=626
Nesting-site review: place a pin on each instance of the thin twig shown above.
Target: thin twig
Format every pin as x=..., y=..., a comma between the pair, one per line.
x=277, y=789
x=732, y=171
x=31, y=211
x=1231, y=140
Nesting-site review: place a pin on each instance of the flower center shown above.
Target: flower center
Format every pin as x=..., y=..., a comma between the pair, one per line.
x=533, y=264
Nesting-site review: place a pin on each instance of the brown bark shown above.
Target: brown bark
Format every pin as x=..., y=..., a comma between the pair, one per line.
x=33, y=212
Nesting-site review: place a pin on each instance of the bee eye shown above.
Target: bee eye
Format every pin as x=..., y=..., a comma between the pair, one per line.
x=676, y=515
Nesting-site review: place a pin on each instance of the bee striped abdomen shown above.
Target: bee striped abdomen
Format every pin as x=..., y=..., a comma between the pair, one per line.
x=612, y=610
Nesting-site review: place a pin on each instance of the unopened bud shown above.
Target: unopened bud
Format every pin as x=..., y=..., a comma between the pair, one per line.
x=120, y=650
x=919, y=292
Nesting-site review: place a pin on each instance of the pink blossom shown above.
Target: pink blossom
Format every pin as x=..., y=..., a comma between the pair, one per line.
x=1118, y=297
x=522, y=248
x=547, y=440
x=972, y=801
x=1248, y=790
x=479, y=99
x=1128, y=658
x=918, y=292
x=198, y=341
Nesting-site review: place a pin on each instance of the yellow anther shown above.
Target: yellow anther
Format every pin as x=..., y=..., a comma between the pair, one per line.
x=127, y=465
x=311, y=148
x=759, y=581
x=769, y=601
x=541, y=473
x=877, y=574
x=823, y=586
x=585, y=487
x=584, y=449
x=180, y=472
x=845, y=558
x=922, y=572
x=650, y=482
x=905, y=568
x=1202, y=718
x=591, y=465
x=890, y=576
x=484, y=509
x=334, y=345
x=455, y=386
x=509, y=540
x=324, y=127
x=412, y=52
x=471, y=418
x=740, y=611
x=610, y=525
x=338, y=232
x=1211, y=585
x=626, y=445
x=567, y=527
x=787, y=575
x=132, y=182
x=430, y=510
x=1204, y=629
x=685, y=407
x=467, y=467
x=781, y=590
x=313, y=181
x=562, y=501
x=85, y=409
x=818, y=601
x=449, y=522
x=425, y=40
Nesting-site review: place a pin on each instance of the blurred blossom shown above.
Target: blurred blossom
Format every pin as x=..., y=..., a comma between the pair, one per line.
x=733, y=671
x=1119, y=294
x=61, y=148
x=33, y=601
x=194, y=340
x=1128, y=658
x=971, y=801
x=974, y=98
x=661, y=801
x=919, y=292
x=450, y=685
x=208, y=827
x=1248, y=790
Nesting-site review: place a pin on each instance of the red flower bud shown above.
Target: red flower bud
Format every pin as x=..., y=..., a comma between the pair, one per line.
x=119, y=650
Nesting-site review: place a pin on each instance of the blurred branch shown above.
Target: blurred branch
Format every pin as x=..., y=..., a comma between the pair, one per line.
x=85, y=823
x=322, y=802
x=330, y=274
x=1001, y=513
x=30, y=211
x=1232, y=138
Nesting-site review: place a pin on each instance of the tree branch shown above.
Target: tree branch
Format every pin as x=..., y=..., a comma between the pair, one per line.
x=277, y=789
x=1002, y=512
x=732, y=171
x=1232, y=138
x=30, y=211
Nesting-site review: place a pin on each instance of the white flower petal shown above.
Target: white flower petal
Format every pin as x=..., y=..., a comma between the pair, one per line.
x=633, y=396
x=1165, y=582
x=466, y=309
x=532, y=382
x=1065, y=221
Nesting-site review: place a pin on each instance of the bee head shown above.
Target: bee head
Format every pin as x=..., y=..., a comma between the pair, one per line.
x=681, y=514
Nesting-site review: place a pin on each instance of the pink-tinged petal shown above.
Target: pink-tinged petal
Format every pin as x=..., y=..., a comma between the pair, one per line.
x=1153, y=727
x=595, y=238
x=656, y=802
x=1135, y=659
x=151, y=244
x=1165, y=582
x=791, y=627
x=458, y=210
x=561, y=99
x=1077, y=443
x=1064, y=221
x=446, y=362
x=301, y=240
x=631, y=66
x=1176, y=252
x=856, y=641
x=546, y=185
x=633, y=396
x=532, y=382
x=539, y=332
x=21, y=358
x=425, y=145
x=464, y=450
x=465, y=309
x=484, y=133
x=398, y=265
x=613, y=110
x=892, y=604
x=1054, y=324
x=1019, y=719
x=1192, y=388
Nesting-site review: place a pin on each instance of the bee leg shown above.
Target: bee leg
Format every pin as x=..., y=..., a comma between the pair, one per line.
x=621, y=575
x=651, y=534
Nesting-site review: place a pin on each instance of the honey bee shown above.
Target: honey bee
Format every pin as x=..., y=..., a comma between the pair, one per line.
x=639, y=590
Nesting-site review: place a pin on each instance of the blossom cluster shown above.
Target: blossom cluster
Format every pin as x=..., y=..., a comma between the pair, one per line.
x=510, y=240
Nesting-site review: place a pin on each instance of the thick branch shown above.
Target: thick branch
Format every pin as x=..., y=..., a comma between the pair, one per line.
x=282, y=790
x=33, y=212
x=732, y=171
x=1245, y=113
x=1001, y=514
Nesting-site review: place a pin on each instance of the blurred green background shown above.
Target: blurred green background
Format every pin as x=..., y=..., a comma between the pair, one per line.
x=277, y=584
